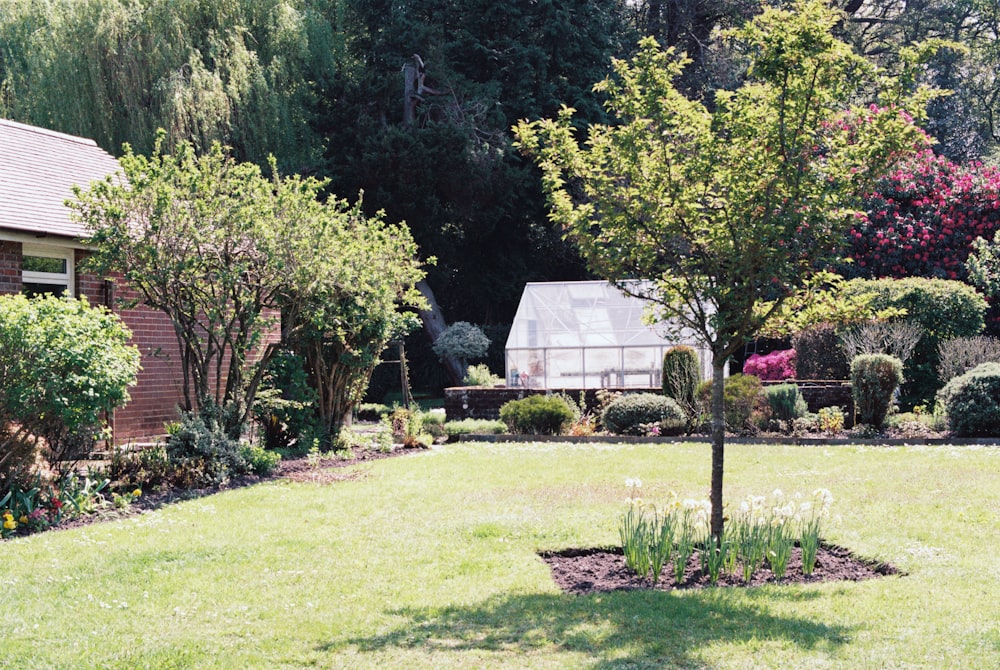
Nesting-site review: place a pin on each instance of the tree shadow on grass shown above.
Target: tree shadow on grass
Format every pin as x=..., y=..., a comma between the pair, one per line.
x=633, y=629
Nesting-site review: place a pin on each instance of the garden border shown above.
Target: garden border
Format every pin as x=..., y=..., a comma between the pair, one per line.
x=789, y=441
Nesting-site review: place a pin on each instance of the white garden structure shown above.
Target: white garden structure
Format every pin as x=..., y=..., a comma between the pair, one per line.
x=588, y=334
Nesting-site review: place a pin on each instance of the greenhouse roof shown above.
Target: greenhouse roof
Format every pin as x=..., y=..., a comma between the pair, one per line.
x=581, y=314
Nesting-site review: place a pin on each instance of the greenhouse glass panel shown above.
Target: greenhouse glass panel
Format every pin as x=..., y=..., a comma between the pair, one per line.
x=586, y=335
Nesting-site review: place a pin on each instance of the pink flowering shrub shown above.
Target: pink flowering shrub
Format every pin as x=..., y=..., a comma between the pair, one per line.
x=775, y=366
x=922, y=221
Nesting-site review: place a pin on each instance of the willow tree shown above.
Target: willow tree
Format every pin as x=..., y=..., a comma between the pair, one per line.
x=728, y=209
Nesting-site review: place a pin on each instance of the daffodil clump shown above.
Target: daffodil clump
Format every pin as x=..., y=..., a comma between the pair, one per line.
x=759, y=532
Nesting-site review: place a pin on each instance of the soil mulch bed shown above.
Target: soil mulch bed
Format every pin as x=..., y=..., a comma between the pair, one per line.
x=597, y=570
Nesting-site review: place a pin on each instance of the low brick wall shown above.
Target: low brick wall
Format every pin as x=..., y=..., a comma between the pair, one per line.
x=481, y=402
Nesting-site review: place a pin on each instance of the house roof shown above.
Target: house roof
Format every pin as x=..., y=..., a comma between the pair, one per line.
x=38, y=169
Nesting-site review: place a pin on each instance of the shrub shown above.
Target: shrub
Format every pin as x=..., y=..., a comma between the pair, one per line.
x=202, y=454
x=943, y=309
x=874, y=380
x=923, y=218
x=259, y=461
x=743, y=397
x=786, y=402
x=630, y=413
x=474, y=427
x=818, y=353
x=830, y=419
x=972, y=402
x=537, y=414
x=960, y=354
x=63, y=366
x=775, y=366
x=681, y=376
x=481, y=375
x=285, y=405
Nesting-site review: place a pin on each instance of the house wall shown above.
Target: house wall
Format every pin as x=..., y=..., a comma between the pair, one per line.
x=158, y=391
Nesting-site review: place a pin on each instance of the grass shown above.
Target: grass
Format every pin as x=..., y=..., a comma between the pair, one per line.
x=430, y=561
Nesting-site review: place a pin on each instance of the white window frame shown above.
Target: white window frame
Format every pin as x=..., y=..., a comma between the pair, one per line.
x=50, y=278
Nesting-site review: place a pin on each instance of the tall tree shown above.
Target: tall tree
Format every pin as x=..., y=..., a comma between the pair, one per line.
x=725, y=210
x=967, y=122
x=238, y=72
x=451, y=174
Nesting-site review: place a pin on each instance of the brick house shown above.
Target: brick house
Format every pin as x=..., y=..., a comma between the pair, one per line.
x=41, y=250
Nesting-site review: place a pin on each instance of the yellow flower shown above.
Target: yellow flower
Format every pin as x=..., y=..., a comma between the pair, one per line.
x=136, y=493
x=9, y=524
x=24, y=518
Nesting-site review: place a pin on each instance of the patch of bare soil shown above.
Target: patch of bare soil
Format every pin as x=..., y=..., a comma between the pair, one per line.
x=597, y=570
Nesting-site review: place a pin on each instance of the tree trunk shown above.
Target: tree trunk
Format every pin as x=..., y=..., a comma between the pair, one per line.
x=434, y=325
x=718, y=443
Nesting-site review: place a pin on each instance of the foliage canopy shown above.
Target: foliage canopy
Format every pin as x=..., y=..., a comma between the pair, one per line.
x=728, y=208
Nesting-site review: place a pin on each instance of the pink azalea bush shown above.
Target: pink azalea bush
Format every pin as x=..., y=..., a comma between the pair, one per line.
x=775, y=366
x=922, y=221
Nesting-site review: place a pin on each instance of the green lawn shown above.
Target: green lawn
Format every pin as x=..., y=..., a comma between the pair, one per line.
x=429, y=561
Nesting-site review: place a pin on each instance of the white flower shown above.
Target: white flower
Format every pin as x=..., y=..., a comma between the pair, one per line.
x=778, y=494
x=633, y=483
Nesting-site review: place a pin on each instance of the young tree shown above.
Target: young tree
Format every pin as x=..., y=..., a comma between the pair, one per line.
x=728, y=209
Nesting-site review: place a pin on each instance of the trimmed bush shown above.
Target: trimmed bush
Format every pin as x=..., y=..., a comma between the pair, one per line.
x=681, y=376
x=63, y=366
x=972, y=402
x=743, y=397
x=819, y=355
x=537, y=415
x=874, y=380
x=462, y=340
x=630, y=413
x=775, y=366
x=943, y=308
x=474, y=427
x=786, y=402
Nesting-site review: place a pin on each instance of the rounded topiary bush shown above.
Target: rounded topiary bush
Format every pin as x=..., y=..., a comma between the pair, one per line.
x=537, y=415
x=874, y=380
x=972, y=402
x=628, y=414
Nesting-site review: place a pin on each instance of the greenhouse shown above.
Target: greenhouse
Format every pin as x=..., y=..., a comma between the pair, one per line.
x=588, y=334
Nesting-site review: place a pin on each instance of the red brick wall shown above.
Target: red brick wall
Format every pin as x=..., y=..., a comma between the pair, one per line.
x=10, y=267
x=158, y=392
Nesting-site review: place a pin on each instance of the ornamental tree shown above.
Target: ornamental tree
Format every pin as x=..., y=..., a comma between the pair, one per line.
x=729, y=207
x=222, y=250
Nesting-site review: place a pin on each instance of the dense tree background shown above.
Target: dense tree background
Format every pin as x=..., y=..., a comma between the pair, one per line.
x=319, y=84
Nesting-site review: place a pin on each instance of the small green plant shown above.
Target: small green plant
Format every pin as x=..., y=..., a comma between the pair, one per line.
x=653, y=539
x=811, y=517
x=260, y=461
x=481, y=375
x=537, y=414
x=125, y=500
x=874, y=380
x=632, y=414
x=830, y=419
